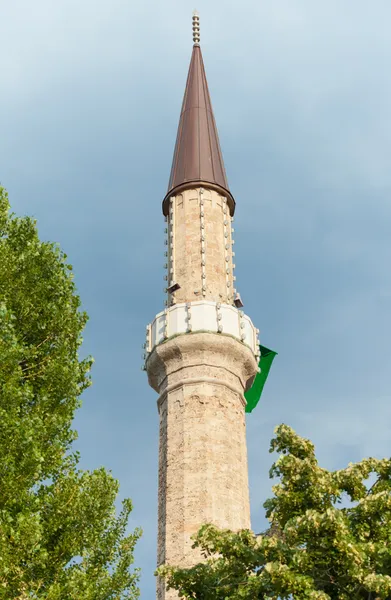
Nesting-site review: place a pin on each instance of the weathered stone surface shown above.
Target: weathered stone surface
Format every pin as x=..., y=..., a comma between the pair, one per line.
x=203, y=473
x=200, y=379
x=187, y=215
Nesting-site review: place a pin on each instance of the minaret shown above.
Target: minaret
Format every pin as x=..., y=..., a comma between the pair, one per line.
x=202, y=350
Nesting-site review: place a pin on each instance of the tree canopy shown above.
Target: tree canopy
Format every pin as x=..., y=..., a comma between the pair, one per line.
x=329, y=536
x=60, y=535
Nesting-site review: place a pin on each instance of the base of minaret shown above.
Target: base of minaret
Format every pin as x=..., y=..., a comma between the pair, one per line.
x=203, y=474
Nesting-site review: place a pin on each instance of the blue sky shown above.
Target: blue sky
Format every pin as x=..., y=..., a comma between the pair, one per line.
x=91, y=95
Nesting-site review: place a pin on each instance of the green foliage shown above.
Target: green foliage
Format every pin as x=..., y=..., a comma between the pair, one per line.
x=60, y=537
x=316, y=548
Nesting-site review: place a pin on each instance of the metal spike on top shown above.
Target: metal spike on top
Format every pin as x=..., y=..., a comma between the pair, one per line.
x=196, y=28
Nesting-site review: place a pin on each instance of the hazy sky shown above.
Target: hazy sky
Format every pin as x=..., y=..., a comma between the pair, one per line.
x=90, y=102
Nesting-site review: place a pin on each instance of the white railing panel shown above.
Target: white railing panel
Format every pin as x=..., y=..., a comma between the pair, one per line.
x=203, y=316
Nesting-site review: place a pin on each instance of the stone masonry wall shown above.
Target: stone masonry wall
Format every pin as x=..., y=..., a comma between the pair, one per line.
x=200, y=247
x=203, y=475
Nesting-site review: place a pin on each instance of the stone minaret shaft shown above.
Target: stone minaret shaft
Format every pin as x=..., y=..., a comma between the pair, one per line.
x=200, y=255
x=201, y=351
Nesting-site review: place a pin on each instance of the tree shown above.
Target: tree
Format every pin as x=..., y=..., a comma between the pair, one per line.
x=60, y=537
x=329, y=536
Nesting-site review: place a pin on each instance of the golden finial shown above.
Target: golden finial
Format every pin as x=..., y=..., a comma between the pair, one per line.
x=196, y=28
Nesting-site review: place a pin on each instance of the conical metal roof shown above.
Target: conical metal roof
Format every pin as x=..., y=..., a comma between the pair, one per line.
x=197, y=155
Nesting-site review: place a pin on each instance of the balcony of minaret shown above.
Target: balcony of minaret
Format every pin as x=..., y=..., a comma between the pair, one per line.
x=199, y=240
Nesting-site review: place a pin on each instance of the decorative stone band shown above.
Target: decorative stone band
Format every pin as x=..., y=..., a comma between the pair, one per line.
x=196, y=381
x=202, y=316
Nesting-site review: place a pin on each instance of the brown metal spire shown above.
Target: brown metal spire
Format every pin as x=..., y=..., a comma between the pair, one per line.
x=197, y=156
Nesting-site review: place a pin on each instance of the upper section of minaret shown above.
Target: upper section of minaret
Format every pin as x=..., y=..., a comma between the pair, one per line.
x=198, y=160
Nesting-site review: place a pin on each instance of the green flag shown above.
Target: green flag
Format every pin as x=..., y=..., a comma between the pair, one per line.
x=253, y=395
